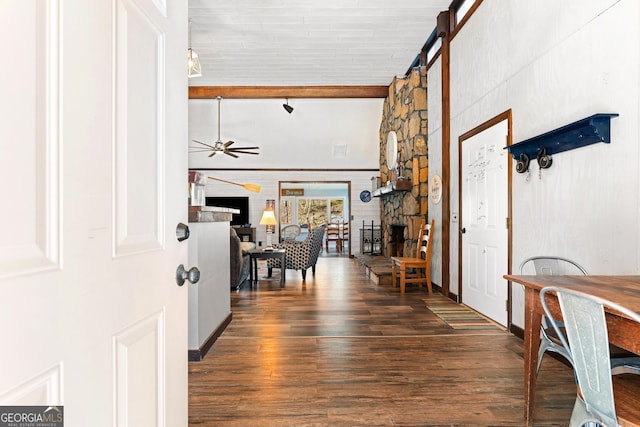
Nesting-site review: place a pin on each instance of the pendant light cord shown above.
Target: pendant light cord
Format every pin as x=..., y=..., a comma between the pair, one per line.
x=219, y=100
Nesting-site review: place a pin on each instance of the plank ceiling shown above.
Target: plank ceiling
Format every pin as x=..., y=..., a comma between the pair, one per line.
x=308, y=42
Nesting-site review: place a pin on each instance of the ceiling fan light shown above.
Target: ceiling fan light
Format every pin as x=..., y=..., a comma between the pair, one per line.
x=193, y=64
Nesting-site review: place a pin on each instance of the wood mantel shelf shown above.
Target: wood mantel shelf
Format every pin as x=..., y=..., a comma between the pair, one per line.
x=393, y=187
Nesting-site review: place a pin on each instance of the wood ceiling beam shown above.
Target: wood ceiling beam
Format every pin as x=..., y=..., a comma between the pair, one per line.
x=212, y=92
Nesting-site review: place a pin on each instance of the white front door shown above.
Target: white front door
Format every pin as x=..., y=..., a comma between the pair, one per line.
x=93, y=127
x=484, y=203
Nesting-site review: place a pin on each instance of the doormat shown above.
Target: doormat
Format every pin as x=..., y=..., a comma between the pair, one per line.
x=459, y=316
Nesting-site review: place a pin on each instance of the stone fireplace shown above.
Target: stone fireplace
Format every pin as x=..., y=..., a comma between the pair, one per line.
x=396, y=241
x=402, y=211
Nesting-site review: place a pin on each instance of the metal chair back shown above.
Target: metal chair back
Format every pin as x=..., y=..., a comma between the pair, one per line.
x=587, y=343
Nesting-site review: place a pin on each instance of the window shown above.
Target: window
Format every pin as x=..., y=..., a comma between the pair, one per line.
x=286, y=210
x=435, y=47
x=312, y=211
x=462, y=10
x=318, y=211
x=337, y=209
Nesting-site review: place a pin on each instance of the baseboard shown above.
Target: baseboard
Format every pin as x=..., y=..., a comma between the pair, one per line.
x=453, y=297
x=517, y=331
x=199, y=354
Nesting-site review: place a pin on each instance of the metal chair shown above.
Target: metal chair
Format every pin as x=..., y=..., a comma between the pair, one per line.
x=587, y=346
x=551, y=266
x=621, y=360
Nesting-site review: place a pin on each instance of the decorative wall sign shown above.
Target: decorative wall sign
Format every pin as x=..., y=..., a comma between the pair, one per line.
x=435, y=189
x=292, y=192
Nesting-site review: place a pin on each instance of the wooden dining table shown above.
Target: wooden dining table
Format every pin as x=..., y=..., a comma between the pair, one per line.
x=623, y=332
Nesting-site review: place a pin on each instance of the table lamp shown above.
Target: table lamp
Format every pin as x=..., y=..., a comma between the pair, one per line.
x=269, y=219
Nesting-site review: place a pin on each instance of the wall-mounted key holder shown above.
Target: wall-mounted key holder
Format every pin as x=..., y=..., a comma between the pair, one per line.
x=590, y=130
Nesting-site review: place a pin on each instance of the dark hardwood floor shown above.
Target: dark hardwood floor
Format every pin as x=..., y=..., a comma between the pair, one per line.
x=342, y=351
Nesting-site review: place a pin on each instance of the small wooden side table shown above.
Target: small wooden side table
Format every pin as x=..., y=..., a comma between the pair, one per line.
x=257, y=254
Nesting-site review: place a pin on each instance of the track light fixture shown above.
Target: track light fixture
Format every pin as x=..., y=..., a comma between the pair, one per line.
x=288, y=107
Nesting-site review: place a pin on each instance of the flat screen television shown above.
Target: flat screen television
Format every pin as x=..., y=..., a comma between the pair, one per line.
x=240, y=203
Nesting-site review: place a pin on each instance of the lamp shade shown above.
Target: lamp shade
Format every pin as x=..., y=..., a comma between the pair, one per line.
x=268, y=218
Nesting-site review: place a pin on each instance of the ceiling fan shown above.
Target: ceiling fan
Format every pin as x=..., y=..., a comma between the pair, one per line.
x=219, y=146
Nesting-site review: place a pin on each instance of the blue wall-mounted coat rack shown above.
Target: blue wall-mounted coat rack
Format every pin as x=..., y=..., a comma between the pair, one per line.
x=590, y=130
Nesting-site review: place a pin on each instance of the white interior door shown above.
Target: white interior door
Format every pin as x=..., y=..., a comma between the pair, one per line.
x=92, y=186
x=484, y=203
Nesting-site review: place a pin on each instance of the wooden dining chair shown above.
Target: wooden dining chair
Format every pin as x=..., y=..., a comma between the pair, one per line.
x=333, y=235
x=410, y=269
x=602, y=399
x=344, y=235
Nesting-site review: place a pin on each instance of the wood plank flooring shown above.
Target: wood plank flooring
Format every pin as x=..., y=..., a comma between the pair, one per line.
x=342, y=351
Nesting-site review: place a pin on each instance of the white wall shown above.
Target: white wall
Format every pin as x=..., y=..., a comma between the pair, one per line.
x=303, y=139
x=553, y=63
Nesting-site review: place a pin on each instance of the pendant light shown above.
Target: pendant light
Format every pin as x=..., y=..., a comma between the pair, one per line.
x=193, y=63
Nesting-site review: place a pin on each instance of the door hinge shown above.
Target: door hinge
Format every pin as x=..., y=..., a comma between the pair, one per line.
x=507, y=222
x=506, y=305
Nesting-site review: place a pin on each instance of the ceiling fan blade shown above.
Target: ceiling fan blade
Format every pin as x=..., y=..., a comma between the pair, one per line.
x=243, y=148
x=198, y=150
x=228, y=143
x=213, y=153
x=206, y=145
x=230, y=154
x=242, y=152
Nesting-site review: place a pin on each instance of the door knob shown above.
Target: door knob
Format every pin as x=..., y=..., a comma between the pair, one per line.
x=182, y=232
x=463, y=230
x=192, y=275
